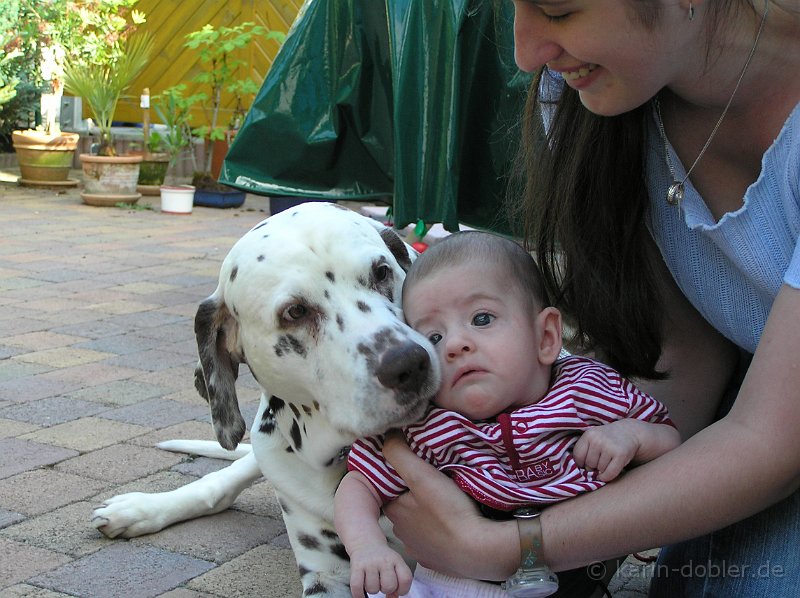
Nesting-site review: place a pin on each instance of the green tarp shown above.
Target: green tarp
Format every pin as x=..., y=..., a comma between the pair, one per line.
x=412, y=101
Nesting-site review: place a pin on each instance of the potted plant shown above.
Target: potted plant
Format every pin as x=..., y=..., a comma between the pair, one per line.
x=174, y=110
x=153, y=168
x=100, y=75
x=32, y=53
x=216, y=47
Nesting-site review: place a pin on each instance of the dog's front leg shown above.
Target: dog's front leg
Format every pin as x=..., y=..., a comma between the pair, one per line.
x=138, y=513
x=321, y=557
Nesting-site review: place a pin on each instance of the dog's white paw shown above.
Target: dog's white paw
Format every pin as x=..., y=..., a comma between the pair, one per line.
x=129, y=515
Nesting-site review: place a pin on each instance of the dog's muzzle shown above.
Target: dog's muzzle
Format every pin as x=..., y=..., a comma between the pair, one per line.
x=406, y=368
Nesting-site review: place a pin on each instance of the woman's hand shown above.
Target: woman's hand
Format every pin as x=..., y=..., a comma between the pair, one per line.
x=441, y=527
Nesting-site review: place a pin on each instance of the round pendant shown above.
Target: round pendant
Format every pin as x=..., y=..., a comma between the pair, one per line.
x=675, y=193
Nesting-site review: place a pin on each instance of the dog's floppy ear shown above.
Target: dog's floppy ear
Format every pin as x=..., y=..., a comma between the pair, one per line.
x=215, y=376
x=400, y=250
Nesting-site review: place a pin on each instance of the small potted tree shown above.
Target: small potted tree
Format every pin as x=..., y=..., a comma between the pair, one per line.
x=33, y=55
x=100, y=75
x=216, y=48
x=174, y=110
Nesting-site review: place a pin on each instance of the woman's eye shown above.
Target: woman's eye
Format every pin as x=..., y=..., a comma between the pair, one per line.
x=482, y=319
x=434, y=338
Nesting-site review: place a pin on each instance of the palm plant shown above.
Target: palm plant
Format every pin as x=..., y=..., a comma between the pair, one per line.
x=101, y=85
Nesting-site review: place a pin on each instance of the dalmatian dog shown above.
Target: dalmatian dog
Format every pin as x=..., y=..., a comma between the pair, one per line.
x=309, y=299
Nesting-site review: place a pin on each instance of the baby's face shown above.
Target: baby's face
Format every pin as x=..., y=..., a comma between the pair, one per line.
x=485, y=335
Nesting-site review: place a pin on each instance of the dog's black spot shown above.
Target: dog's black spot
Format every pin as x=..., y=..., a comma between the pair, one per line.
x=234, y=272
x=303, y=570
x=294, y=409
x=307, y=410
x=318, y=588
x=309, y=541
x=289, y=449
x=339, y=550
x=326, y=294
x=297, y=438
x=329, y=533
x=363, y=307
x=257, y=226
x=340, y=322
x=329, y=275
x=316, y=405
x=268, y=422
x=363, y=281
x=260, y=258
x=276, y=404
x=235, y=311
x=288, y=343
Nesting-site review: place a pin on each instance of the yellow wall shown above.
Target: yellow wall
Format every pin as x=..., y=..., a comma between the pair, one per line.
x=170, y=20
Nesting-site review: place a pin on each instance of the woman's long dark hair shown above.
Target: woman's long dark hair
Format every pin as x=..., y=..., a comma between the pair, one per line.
x=583, y=207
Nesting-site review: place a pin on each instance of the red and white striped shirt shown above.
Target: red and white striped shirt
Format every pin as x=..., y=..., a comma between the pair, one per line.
x=523, y=457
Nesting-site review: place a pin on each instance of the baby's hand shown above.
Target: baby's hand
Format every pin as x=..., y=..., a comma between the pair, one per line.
x=608, y=448
x=378, y=568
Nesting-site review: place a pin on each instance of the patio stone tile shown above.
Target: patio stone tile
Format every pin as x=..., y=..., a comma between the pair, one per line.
x=152, y=360
x=266, y=571
x=156, y=413
x=86, y=434
x=18, y=562
x=21, y=455
x=41, y=340
x=200, y=537
x=121, y=344
x=123, y=570
x=66, y=530
x=9, y=518
x=52, y=489
x=31, y=388
x=118, y=392
x=94, y=328
x=51, y=411
x=119, y=463
x=63, y=357
x=13, y=368
x=24, y=590
x=89, y=374
x=10, y=428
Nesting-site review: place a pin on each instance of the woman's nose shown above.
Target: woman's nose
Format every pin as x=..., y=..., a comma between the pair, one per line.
x=532, y=46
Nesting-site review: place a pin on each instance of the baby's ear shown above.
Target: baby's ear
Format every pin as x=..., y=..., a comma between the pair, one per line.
x=548, y=332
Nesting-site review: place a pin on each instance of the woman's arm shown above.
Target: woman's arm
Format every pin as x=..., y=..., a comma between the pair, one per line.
x=694, y=489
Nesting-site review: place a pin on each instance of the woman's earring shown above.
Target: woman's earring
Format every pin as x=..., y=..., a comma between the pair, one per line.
x=691, y=11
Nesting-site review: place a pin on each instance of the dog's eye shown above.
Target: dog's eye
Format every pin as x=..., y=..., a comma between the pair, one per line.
x=381, y=272
x=295, y=311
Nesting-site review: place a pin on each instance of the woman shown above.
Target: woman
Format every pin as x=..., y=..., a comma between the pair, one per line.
x=673, y=191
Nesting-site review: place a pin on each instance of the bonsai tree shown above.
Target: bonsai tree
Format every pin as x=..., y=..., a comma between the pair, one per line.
x=216, y=47
x=110, y=55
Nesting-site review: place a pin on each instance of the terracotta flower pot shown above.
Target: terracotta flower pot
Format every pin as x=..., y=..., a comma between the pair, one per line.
x=109, y=180
x=45, y=160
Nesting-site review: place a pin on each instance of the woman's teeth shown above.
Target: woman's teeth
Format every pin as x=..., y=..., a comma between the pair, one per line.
x=580, y=73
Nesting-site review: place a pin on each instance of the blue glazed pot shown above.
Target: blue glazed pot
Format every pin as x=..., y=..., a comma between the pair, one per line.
x=219, y=199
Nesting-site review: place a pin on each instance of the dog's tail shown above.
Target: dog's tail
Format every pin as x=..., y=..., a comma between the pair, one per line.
x=204, y=448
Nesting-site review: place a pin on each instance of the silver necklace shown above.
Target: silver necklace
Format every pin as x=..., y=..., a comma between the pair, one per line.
x=677, y=189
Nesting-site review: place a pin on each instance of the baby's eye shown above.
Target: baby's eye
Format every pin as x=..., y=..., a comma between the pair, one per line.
x=434, y=338
x=482, y=319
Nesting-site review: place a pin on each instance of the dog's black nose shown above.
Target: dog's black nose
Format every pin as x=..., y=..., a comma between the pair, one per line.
x=404, y=368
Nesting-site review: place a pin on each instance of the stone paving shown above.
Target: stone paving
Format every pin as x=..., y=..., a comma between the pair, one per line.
x=96, y=365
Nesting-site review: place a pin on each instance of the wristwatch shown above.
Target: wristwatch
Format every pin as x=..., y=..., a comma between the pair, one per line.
x=533, y=578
